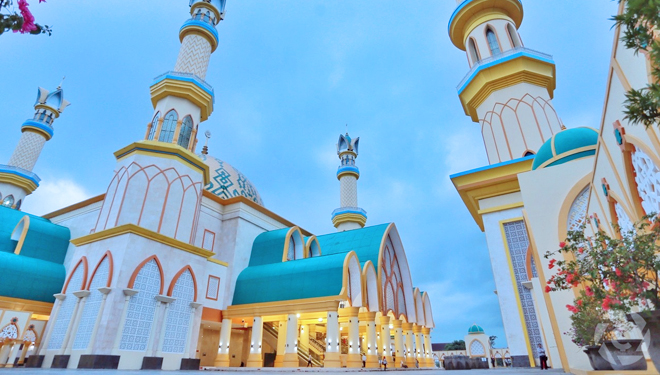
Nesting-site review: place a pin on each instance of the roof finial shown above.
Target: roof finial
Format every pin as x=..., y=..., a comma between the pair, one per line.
x=346, y=128
x=205, y=149
x=61, y=83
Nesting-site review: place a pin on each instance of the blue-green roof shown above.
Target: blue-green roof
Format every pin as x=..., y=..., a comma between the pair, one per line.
x=268, y=279
x=39, y=266
x=475, y=329
x=566, y=143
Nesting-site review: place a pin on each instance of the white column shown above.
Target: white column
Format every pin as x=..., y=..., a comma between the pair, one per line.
x=164, y=300
x=417, y=330
x=410, y=344
x=398, y=342
x=371, y=342
x=222, y=360
x=13, y=354
x=281, y=343
x=385, y=339
x=128, y=293
x=291, y=346
x=194, y=306
x=59, y=298
x=354, y=359
x=73, y=325
x=4, y=352
x=428, y=350
x=254, y=359
x=333, y=342
x=97, y=323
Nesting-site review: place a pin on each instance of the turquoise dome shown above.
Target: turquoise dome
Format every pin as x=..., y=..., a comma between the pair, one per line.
x=475, y=330
x=567, y=145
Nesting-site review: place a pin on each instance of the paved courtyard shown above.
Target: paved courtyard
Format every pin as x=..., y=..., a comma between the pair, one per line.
x=271, y=370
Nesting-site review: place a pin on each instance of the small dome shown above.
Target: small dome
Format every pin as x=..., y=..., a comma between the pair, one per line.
x=228, y=182
x=475, y=330
x=565, y=146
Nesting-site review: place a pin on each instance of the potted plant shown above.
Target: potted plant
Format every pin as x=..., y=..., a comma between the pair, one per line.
x=634, y=263
x=584, y=263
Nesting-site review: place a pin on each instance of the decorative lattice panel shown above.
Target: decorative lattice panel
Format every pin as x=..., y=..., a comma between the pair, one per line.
x=28, y=150
x=477, y=348
x=92, y=306
x=179, y=314
x=66, y=311
x=647, y=177
x=9, y=332
x=141, y=308
x=30, y=336
x=518, y=243
x=624, y=222
x=194, y=55
x=578, y=210
x=392, y=282
x=348, y=190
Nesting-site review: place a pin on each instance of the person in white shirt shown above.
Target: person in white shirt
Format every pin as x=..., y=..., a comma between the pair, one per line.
x=542, y=357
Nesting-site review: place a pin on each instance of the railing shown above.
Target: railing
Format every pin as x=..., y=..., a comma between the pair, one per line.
x=500, y=56
x=316, y=345
x=303, y=352
x=342, y=209
x=186, y=75
x=25, y=172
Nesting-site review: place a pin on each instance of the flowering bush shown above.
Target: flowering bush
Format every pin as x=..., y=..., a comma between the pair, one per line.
x=21, y=21
x=590, y=323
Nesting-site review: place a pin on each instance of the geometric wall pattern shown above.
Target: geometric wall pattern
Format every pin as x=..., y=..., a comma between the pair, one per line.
x=141, y=308
x=29, y=336
x=194, y=56
x=92, y=306
x=578, y=211
x=624, y=222
x=27, y=151
x=348, y=191
x=647, y=177
x=66, y=311
x=476, y=348
x=227, y=182
x=179, y=313
x=9, y=332
x=518, y=243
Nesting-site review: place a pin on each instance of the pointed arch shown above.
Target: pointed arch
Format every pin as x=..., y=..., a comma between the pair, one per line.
x=30, y=335
x=83, y=262
x=573, y=211
x=185, y=132
x=154, y=125
x=352, y=280
x=493, y=40
x=394, y=280
x=10, y=330
x=475, y=56
x=294, y=245
x=107, y=255
x=428, y=312
x=370, y=292
x=176, y=278
x=169, y=126
x=131, y=281
x=20, y=232
x=313, y=248
x=419, y=308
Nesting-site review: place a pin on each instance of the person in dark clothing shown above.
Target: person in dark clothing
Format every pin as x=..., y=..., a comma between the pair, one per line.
x=384, y=364
x=542, y=357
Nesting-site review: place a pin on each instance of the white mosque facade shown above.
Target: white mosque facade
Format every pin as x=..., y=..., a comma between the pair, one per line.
x=179, y=264
x=544, y=179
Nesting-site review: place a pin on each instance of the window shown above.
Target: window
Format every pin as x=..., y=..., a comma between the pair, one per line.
x=42, y=116
x=291, y=254
x=169, y=125
x=529, y=153
x=474, y=54
x=18, y=204
x=49, y=120
x=8, y=201
x=513, y=34
x=186, y=131
x=492, y=42
x=154, y=125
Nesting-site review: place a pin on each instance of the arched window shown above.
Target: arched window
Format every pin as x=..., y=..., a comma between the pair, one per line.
x=178, y=316
x=474, y=54
x=647, y=179
x=67, y=306
x=18, y=204
x=92, y=306
x=154, y=125
x=492, y=42
x=42, y=116
x=529, y=153
x=578, y=211
x=513, y=34
x=49, y=120
x=142, y=308
x=169, y=125
x=198, y=15
x=8, y=201
x=291, y=254
x=186, y=131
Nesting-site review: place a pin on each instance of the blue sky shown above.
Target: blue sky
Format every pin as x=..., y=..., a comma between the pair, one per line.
x=288, y=76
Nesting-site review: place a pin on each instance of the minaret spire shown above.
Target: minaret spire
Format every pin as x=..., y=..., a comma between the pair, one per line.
x=181, y=98
x=509, y=88
x=16, y=177
x=349, y=215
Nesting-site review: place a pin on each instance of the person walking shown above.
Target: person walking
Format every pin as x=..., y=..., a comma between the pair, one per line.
x=309, y=360
x=385, y=364
x=364, y=360
x=542, y=357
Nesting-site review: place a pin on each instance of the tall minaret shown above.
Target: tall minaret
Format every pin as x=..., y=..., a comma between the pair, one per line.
x=509, y=88
x=16, y=177
x=181, y=98
x=349, y=215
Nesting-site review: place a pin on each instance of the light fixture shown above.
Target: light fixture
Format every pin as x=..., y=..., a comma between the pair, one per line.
x=320, y=319
x=297, y=315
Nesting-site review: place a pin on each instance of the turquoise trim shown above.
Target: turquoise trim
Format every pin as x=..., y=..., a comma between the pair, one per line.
x=348, y=211
x=618, y=136
x=492, y=166
x=365, y=242
x=38, y=279
x=524, y=53
x=579, y=155
x=39, y=125
x=475, y=329
x=15, y=171
x=268, y=248
x=205, y=25
x=185, y=79
x=348, y=168
x=458, y=9
x=162, y=152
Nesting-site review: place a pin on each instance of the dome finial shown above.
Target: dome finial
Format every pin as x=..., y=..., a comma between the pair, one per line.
x=205, y=149
x=61, y=83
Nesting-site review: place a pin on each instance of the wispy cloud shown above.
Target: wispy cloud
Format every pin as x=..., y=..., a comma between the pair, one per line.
x=54, y=194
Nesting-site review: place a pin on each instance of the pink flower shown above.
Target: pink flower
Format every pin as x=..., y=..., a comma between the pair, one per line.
x=562, y=244
x=548, y=289
x=589, y=292
x=28, y=18
x=551, y=265
x=581, y=250
x=618, y=272
x=572, y=308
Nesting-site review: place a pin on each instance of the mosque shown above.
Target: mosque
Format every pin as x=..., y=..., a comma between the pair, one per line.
x=544, y=179
x=179, y=264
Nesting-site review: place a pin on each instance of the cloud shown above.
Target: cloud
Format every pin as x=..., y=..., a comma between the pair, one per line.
x=54, y=194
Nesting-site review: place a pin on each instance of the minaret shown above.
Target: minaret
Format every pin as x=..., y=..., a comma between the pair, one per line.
x=16, y=177
x=349, y=215
x=509, y=88
x=181, y=98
